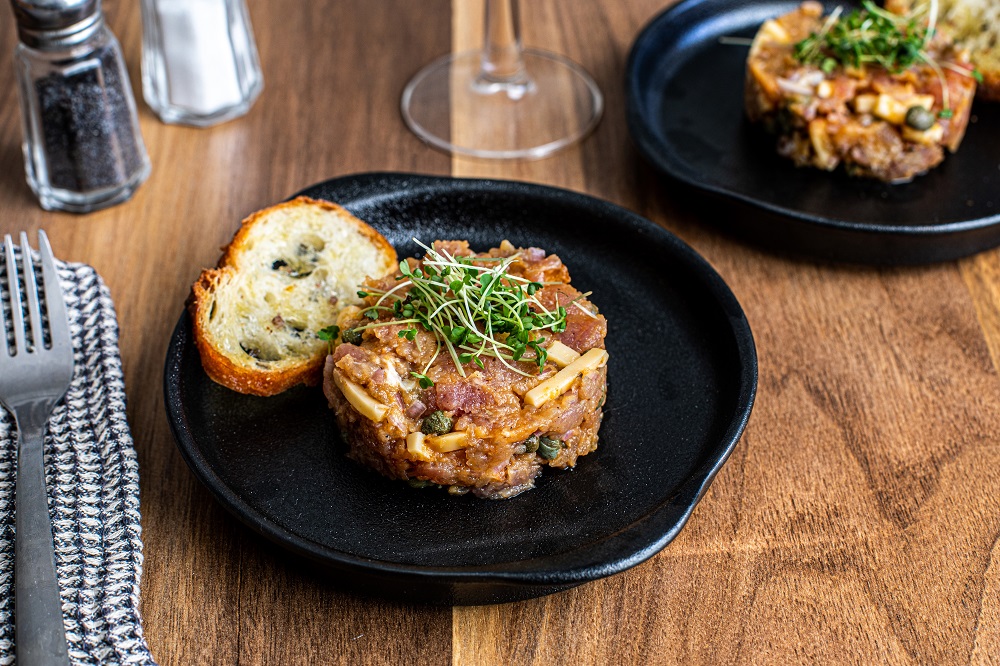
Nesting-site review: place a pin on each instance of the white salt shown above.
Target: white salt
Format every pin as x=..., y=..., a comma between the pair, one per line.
x=198, y=53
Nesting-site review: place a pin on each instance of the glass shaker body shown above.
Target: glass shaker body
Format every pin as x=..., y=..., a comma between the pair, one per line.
x=82, y=147
x=199, y=60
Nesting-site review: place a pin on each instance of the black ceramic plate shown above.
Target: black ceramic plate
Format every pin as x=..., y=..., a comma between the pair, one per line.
x=685, y=112
x=682, y=378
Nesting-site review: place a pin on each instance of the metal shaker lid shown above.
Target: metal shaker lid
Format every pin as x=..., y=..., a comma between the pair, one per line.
x=43, y=21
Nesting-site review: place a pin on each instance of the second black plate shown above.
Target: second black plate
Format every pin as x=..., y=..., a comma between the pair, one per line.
x=685, y=110
x=681, y=376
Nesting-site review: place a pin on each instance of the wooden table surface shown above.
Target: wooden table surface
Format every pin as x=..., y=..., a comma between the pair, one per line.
x=856, y=522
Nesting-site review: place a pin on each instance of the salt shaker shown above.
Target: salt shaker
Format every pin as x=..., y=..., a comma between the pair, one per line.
x=82, y=146
x=199, y=60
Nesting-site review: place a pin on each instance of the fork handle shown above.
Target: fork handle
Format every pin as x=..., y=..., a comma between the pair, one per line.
x=39, y=634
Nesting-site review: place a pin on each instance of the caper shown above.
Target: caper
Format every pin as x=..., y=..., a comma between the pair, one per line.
x=420, y=483
x=351, y=336
x=548, y=447
x=531, y=444
x=919, y=118
x=437, y=423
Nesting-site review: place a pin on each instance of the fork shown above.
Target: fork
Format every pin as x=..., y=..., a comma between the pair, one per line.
x=33, y=379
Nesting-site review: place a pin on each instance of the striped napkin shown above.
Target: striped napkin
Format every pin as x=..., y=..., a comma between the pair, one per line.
x=93, y=483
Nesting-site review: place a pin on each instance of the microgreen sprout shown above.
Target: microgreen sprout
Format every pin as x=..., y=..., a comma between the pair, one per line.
x=329, y=334
x=474, y=307
x=866, y=36
x=874, y=36
x=425, y=381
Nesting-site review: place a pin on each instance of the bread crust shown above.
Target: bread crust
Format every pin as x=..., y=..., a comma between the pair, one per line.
x=238, y=244
x=220, y=367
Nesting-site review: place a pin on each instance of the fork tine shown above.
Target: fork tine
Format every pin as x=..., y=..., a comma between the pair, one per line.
x=31, y=289
x=54, y=298
x=15, y=296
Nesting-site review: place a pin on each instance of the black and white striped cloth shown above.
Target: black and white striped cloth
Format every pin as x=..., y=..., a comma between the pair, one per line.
x=93, y=481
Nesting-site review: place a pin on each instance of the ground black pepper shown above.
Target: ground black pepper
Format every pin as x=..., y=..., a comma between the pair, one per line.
x=86, y=126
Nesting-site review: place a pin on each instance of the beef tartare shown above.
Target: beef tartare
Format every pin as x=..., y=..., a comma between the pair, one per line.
x=881, y=94
x=470, y=371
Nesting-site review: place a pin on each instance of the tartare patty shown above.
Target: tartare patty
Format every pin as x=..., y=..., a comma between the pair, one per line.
x=828, y=106
x=439, y=404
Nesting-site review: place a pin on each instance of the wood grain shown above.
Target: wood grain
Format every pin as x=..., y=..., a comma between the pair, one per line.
x=857, y=522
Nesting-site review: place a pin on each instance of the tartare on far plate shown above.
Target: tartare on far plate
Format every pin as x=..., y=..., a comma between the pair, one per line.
x=469, y=371
x=881, y=94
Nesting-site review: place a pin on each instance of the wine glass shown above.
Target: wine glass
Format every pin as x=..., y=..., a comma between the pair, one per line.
x=503, y=101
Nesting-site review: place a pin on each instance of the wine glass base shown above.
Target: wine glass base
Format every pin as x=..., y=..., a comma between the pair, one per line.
x=452, y=107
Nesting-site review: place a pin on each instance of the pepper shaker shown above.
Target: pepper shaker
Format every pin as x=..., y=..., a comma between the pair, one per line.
x=199, y=60
x=82, y=147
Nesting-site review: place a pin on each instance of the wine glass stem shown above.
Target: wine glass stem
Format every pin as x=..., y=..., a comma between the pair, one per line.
x=502, y=62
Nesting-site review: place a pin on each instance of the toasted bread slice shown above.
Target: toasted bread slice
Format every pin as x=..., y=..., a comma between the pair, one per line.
x=975, y=25
x=288, y=272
